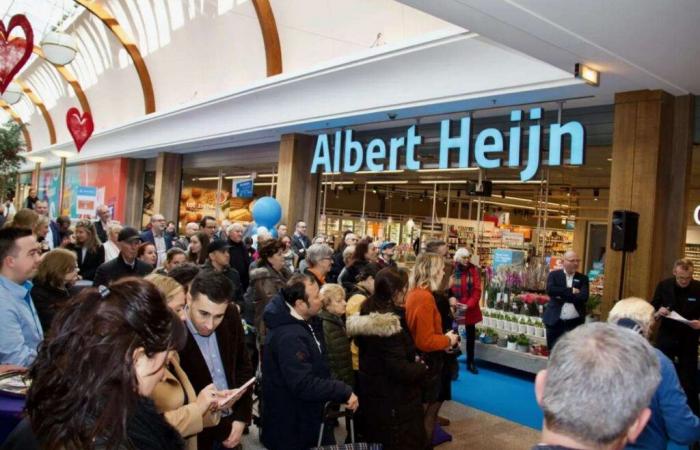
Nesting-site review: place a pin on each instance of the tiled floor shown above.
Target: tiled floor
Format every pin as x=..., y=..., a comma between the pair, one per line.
x=471, y=429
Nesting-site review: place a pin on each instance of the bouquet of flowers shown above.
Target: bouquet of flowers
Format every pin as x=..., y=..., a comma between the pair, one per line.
x=533, y=303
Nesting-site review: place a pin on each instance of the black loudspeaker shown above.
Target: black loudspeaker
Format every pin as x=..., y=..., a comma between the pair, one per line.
x=624, y=230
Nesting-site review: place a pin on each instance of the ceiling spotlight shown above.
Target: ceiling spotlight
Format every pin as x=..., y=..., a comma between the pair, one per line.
x=374, y=190
x=596, y=194
x=503, y=194
x=587, y=74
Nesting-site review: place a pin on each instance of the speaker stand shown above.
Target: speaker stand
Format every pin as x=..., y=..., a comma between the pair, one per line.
x=622, y=275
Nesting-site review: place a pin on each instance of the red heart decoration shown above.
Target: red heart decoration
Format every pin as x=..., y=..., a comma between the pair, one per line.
x=15, y=52
x=80, y=126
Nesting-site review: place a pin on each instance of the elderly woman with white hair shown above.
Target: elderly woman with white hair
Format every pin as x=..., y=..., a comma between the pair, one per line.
x=671, y=417
x=111, y=247
x=465, y=287
x=319, y=258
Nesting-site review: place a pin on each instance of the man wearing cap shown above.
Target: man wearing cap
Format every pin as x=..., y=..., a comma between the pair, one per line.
x=386, y=255
x=125, y=264
x=218, y=261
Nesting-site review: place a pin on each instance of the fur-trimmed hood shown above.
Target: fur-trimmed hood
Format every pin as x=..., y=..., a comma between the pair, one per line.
x=373, y=324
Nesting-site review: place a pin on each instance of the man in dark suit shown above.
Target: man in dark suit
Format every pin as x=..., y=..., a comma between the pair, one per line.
x=158, y=237
x=300, y=241
x=678, y=340
x=103, y=222
x=215, y=353
x=568, y=293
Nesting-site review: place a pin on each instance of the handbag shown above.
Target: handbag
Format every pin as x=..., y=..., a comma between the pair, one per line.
x=352, y=445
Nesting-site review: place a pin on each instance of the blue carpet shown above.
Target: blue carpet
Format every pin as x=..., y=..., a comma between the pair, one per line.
x=503, y=392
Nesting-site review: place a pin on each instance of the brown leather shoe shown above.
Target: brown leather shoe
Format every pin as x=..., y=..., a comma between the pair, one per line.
x=443, y=421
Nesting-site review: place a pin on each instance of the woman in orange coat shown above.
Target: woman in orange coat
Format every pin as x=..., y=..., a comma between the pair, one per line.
x=425, y=325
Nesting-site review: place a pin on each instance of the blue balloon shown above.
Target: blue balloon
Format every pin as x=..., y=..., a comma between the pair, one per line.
x=267, y=211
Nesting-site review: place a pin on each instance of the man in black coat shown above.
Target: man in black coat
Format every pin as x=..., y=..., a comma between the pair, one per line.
x=300, y=241
x=568, y=293
x=215, y=353
x=125, y=264
x=296, y=377
x=678, y=340
x=240, y=258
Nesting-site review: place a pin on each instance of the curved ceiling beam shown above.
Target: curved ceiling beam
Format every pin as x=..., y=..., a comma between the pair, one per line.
x=271, y=38
x=40, y=105
x=99, y=11
x=18, y=119
x=70, y=79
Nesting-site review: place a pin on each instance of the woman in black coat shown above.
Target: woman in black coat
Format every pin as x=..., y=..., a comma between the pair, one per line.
x=57, y=273
x=390, y=379
x=88, y=249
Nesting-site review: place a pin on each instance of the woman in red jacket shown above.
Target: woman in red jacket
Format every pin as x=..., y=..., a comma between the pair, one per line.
x=465, y=286
x=425, y=325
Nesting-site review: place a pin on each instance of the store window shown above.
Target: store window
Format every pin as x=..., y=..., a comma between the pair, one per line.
x=92, y=184
x=210, y=192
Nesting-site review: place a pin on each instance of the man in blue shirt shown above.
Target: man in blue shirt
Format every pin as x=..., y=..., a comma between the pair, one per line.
x=215, y=353
x=19, y=322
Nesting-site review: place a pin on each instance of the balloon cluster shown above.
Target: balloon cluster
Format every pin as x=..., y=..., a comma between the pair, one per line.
x=267, y=212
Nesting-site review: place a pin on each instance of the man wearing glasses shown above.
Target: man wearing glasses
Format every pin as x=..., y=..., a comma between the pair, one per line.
x=679, y=340
x=568, y=293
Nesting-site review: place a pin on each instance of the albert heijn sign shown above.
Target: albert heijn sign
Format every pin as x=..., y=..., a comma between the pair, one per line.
x=489, y=150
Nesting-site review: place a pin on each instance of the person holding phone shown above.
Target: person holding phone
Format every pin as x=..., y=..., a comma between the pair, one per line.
x=174, y=395
x=568, y=294
x=215, y=352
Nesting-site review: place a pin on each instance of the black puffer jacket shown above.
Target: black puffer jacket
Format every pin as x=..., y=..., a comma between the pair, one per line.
x=338, y=345
x=390, y=381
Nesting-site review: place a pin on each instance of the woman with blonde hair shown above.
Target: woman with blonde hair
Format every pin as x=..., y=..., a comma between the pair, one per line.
x=174, y=395
x=424, y=323
x=671, y=417
x=40, y=231
x=111, y=247
x=87, y=248
x=57, y=273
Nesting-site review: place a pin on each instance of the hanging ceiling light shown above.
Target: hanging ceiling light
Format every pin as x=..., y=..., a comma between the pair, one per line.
x=59, y=48
x=410, y=224
x=13, y=93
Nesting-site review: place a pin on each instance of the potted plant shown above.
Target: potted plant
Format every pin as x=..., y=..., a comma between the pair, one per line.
x=502, y=341
x=592, y=305
x=523, y=343
x=539, y=329
x=513, y=324
x=489, y=336
x=531, y=327
x=499, y=320
x=522, y=326
x=512, y=342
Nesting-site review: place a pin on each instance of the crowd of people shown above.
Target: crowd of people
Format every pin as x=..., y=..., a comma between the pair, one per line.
x=145, y=339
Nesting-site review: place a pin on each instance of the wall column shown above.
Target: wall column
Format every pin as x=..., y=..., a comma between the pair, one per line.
x=135, y=178
x=651, y=162
x=297, y=187
x=166, y=196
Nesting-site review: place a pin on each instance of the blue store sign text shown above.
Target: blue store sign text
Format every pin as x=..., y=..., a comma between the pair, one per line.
x=349, y=155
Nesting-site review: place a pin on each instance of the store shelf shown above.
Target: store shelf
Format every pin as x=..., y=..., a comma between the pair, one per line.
x=692, y=252
x=527, y=362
